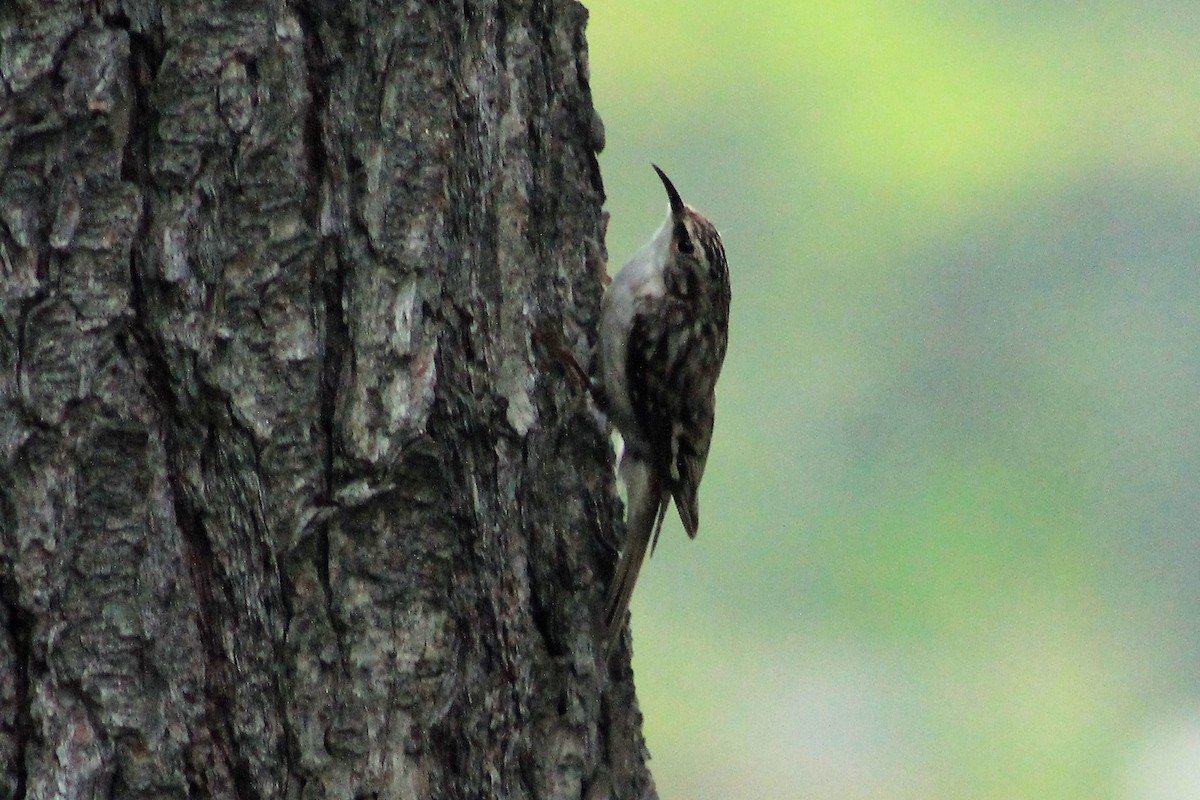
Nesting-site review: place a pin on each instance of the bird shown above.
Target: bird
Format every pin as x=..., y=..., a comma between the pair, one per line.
x=664, y=329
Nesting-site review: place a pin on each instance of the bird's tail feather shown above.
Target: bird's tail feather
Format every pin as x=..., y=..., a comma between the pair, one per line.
x=647, y=506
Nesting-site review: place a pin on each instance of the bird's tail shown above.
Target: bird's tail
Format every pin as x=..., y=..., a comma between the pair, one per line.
x=647, y=504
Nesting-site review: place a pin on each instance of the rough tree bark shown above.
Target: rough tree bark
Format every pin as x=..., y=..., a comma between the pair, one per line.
x=293, y=501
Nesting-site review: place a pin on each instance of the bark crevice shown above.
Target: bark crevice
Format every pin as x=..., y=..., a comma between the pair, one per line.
x=19, y=631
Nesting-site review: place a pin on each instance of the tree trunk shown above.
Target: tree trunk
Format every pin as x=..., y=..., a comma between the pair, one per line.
x=295, y=498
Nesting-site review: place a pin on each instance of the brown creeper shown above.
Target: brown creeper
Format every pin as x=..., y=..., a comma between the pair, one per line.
x=664, y=324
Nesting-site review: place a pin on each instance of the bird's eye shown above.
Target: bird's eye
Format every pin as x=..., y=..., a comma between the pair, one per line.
x=683, y=241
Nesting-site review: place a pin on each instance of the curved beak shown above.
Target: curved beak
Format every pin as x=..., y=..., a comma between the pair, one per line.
x=672, y=194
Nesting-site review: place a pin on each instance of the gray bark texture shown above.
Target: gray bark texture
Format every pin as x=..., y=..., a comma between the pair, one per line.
x=295, y=502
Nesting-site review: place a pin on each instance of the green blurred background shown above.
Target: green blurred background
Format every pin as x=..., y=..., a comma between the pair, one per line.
x=949, y=524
